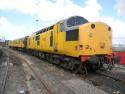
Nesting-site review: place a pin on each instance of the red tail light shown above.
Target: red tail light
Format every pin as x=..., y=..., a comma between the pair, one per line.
x=84, y=58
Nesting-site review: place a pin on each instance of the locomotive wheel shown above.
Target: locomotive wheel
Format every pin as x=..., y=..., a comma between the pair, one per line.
x=50, y=59
x=55, y=60
x=95, y=67
x=82, y=69
x=107, y=66
x=70, y=65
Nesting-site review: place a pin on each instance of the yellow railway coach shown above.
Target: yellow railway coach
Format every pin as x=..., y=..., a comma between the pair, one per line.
x=18, y=43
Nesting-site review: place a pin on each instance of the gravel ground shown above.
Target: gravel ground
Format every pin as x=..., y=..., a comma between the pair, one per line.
x=16, y=77
x=58, y=80
x=19, y=79
x=107, y=84
x=61, y=81
x=77, y=84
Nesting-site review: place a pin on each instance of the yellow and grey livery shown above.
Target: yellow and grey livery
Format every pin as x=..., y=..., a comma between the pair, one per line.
x=74, y=37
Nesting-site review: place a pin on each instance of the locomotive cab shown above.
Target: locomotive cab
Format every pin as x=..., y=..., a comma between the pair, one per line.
x=91, y=41
x=95, y=45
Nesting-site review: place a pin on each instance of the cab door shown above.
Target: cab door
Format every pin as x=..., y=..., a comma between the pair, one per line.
x=59, y=38
x=55, y=34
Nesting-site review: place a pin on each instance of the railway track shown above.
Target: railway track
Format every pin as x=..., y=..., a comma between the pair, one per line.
x=41, y=81
x=106, y=81
x=4, y=67
x=112, y=76
x=112, y=88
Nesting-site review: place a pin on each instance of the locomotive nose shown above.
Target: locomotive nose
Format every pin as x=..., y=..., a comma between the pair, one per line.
x=96, y=38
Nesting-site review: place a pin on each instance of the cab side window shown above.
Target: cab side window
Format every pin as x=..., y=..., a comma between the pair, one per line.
x=37, y=38
x=62, y=27
x=72, y=35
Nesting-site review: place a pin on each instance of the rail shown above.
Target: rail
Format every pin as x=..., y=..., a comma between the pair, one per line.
x=4, y=75
x=38, y=77
x=112, y=76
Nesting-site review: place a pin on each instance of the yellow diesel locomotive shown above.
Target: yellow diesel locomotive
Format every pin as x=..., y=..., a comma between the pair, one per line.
x=74, y=43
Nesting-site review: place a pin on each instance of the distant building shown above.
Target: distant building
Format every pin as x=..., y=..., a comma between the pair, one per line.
x=119, y=49
x=4, y=43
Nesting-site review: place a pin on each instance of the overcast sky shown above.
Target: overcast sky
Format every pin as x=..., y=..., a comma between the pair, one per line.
x=18, y=17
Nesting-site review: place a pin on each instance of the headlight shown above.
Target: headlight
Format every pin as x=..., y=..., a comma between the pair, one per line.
x=109, y=28
x=92, y=26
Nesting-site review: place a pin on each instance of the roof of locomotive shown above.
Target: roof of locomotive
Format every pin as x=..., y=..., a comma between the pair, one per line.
x=61, y=21
x=76, y=16
x=51, y=27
